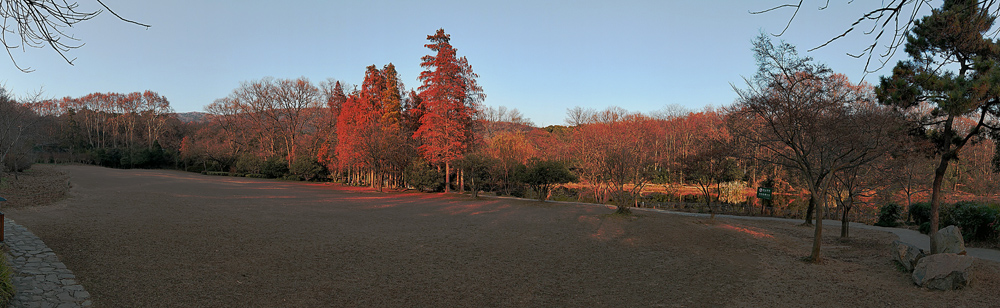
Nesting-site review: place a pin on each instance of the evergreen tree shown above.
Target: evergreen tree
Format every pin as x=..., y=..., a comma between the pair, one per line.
x=449, y=95
x=951, y=37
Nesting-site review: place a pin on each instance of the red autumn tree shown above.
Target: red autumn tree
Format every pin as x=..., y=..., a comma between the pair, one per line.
x=450, y=95
x=368, y=127
x=333, y=91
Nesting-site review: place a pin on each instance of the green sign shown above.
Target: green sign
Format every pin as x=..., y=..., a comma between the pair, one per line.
x=764, y=192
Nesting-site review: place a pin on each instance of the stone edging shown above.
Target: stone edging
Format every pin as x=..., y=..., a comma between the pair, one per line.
x=40, y=279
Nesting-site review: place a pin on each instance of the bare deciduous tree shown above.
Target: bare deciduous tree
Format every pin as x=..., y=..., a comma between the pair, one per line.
x=809, y=120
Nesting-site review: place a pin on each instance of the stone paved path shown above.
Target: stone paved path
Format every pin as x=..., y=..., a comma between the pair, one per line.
x=40, y=279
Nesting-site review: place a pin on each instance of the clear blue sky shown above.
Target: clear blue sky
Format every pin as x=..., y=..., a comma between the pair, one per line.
x=540, y=57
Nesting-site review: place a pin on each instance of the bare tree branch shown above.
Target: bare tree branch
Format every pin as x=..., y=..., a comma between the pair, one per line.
x=37, y=23
x=890, y=23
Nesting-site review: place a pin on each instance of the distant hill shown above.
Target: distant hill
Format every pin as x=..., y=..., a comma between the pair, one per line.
x=192, y=117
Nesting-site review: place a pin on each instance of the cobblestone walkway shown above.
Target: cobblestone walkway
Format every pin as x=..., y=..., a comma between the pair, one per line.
x=40, y=279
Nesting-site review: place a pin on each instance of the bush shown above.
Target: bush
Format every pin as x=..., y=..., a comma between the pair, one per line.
x=696, y=198
x=889, y=215
x=274, y=167
x=154, y=157
x=423, y=177
x=920, y=212
x=542, y=175
x=925, y=228
x=975, y=220
x=250, y=164
x=256, y=175
x=291, y=177
x=217, y=173
x=308, y=168
x=658, y=197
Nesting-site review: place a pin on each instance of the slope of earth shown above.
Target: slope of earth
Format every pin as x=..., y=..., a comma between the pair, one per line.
x=139, y=238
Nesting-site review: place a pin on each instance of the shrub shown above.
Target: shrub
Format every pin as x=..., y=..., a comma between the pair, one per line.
x=274, y=167
x=658, y=197
x=423, y=177
x=291, y=177
x=925, y=228
x=308, y=168
x=920, y=212
x=889, y=215
x=693, y=198
x=256, y=175
x=976, y=220
x=217, y=173
x=564, y=194
x=248, y=164
x=542, y=175
x=152, y=157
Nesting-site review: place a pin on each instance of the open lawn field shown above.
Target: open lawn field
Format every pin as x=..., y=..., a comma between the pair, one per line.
x=153, y=238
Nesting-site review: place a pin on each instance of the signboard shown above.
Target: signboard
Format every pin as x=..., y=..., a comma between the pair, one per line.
x=764, y=192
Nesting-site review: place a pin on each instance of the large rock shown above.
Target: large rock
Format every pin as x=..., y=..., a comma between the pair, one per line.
x=906, y=254
x=949, y=240
x=945, y=271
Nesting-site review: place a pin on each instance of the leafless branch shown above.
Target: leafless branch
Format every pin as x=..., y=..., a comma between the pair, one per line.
x=895, y=17
x=37, y=23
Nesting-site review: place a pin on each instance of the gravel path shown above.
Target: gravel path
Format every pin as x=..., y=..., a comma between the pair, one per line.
x=151, y=238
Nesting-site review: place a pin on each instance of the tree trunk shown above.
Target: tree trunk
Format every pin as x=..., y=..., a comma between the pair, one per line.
x=475, y=189
x=447, y=176
x=711, y=211
x=936, y=200
x=844, y=223
x=809, y=210
x=818, y=235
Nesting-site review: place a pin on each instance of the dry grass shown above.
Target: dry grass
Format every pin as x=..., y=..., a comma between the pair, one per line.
x=40, y=185
x=139, y=238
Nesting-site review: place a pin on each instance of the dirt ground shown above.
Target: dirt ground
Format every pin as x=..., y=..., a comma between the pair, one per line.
x=153, y=238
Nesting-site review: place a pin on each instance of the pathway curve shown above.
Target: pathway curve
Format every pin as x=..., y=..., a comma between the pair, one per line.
x=40, y=279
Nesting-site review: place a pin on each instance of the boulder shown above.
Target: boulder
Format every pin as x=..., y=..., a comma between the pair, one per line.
x=906, y=254
x=944, y=271
x=949, y=240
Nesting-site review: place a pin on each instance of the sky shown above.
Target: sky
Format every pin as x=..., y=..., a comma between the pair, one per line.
x=540, y=57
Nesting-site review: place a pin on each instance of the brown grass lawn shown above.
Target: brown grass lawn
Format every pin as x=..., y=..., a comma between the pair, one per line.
x=152, y=238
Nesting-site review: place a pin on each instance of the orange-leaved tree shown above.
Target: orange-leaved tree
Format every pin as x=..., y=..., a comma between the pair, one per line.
x=449, y=96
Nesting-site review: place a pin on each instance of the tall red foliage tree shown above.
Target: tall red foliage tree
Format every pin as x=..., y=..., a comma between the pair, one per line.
x=369, y=135
x=450, y=95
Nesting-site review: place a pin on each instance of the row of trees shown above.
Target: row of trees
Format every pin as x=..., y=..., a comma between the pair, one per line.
x=111, y=129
